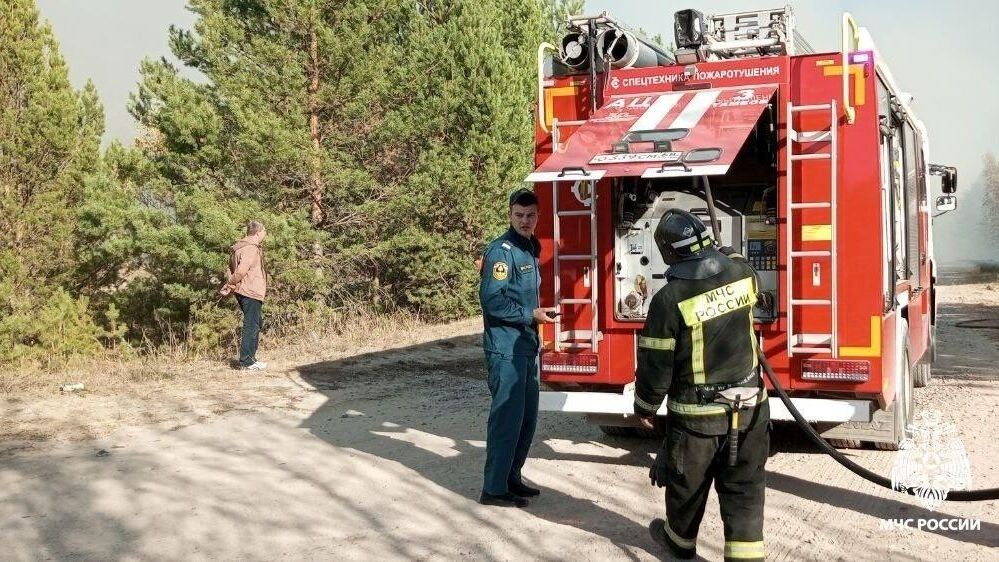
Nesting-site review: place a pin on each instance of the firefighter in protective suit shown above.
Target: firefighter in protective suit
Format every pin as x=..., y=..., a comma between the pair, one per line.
x=698, y=348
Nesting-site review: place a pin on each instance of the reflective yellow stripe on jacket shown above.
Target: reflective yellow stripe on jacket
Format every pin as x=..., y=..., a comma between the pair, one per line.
x=662, y=344
x=686, y=409
x=697, y=353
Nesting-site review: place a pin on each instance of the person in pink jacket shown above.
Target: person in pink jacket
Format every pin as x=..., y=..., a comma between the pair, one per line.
x=248, y=279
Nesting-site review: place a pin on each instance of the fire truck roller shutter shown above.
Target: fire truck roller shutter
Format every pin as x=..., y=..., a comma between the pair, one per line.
x=660, y=134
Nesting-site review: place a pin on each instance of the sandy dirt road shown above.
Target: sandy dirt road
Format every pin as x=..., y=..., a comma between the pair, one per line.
x=378, y=456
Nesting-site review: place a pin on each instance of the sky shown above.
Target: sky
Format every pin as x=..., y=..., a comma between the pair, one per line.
x=105, y=40
x=942, y=53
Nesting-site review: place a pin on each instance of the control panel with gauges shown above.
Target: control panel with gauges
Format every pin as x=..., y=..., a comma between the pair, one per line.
x=762, y=254
x=747, y=224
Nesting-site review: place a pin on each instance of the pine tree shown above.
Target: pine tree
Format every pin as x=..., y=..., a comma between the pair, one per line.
x=465, y=135
x=49, y=142
x=49, y=139
x=290, y=85
x=155, y=256
x=398, y=127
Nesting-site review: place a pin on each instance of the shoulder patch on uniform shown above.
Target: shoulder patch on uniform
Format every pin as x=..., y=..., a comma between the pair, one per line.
x=500, y=270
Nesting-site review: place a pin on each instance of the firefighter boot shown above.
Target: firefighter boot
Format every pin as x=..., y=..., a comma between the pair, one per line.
x=659, y=534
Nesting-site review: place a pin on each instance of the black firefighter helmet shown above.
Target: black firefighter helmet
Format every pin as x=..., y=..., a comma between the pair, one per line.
x=687, y=247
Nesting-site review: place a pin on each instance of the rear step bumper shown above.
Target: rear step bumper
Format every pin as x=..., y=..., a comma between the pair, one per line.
x=813, y=409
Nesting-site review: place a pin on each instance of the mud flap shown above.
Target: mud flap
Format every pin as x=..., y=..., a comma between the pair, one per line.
x=887, y=428
x=881, y=429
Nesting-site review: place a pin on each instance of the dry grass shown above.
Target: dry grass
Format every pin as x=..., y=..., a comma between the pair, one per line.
x=177, y=388
x=112, y=373
x=107, y=375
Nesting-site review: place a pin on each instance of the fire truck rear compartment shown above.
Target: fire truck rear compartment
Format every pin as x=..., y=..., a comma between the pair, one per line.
x=746, y=204
x=745, y=199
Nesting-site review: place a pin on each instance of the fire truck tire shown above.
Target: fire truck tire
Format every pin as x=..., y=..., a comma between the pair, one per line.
x=846, y=443
x=924, y=370
x=933, y=343
x=902, y=406
x=618, y=431
x=921, y=376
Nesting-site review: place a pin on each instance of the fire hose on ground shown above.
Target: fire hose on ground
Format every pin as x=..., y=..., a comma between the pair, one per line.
x=956, y=495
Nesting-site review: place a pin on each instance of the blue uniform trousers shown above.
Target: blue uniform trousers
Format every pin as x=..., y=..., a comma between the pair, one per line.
x=513, y=384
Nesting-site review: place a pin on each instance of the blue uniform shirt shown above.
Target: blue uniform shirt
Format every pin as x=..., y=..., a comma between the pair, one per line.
x=508, y=294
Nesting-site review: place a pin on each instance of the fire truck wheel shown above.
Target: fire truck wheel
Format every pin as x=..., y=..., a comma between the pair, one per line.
x=902, y=406
x=921, y=376
x=846, y=443
x=924, y=370
x=933, y=343
x=618, y=431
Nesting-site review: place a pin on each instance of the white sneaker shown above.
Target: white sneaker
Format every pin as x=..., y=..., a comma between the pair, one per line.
x=258, y=366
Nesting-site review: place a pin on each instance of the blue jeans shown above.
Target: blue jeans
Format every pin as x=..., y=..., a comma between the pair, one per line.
x=250, y=337
x=513, y=416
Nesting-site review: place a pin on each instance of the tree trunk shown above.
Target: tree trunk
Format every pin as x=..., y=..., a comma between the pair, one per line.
x=316, y=185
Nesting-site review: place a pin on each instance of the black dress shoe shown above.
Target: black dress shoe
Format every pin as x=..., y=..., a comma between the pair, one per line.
x=523, y=490
x=502, y=500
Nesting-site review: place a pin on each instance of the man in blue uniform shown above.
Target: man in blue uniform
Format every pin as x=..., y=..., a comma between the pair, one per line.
x=508, y=294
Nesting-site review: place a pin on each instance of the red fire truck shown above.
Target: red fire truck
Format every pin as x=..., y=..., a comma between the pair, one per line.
x=818, y=169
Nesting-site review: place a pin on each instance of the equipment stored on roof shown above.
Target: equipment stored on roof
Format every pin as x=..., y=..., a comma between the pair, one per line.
x=614, y=45
x=816, y=169
x=741, y=34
